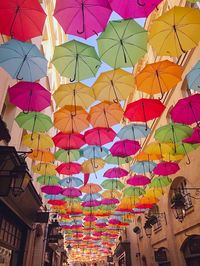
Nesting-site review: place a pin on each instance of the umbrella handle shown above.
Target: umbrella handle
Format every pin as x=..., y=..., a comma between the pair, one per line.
x=17, y=77
x=83, y=19
x=140, y=3
x=75, y=70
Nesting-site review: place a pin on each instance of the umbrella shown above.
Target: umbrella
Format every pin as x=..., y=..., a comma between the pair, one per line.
x=91, y=188
x=184, y=149
x=193, y=78
x=38, y=141
x=71, y=192
x=117, y=160
x=92, y=152
x=135, y=8
x=138, y=180
x=171, y=34
x=91, y=203
x=112, y=184
x=29, y=96
x=48, y=180
x=187, y=110
x=160, y=182
x=82, y=18
x=113, y=86
x=67, y=155
x=159, y=149
x=143, y=167
x=158, y=77
x=69, y=168
x=146, y=156
x=88, y=197
x=52, y=190
x=89, y=166
x=23, y=61
x=122, y=43
x=71, y=181
x=99, y=136
x=124, y=148
x=76, y=60
x=108, y=201
x=144, y=110
x=133, y=132
x=21, y=19
x=111, y=193
x=70, y=141
x=115, y=172
x=46, y=169
x=166, y=168
x=134, y=191
x=194, y=138
x=40, y=155
x=76, y=94
x=105, y=114
x=68, y=121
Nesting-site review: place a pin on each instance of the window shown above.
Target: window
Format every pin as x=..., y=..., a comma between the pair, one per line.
x=155, y=212
x=139, y=223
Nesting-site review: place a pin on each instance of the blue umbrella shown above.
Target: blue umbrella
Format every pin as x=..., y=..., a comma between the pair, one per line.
x=143, y=167
x=23, y=61
x=54, y=197
x=193, y=78
x=92, y=152
x=71, y=181
x=133, y=132
x=89, y=197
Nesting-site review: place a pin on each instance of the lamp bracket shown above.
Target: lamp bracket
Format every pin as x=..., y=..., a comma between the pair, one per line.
x=184, y=191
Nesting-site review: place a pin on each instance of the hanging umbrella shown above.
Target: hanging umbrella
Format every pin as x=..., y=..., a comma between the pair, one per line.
x=158, y=77
x=70, y=141
x=108, y=201
x=82, y=18
x=42, y=156
x=76, y=60
x=71, y=181
x=112, y=184
x=76, y=94
x=138, y=180
x=143, y=167
x=135, y=8
x=145, y=156
x=67, y=155
x=122, y=43
x=23, y=61
x=115, y=172
x=48, y=180
x=166, y=168
x=99, y=136
x=134, y=191
x=159, y=149
x=46, y=169
x=88, y=197
x=111, y=193
x=69, y=168
x=193, y=78
x=38, y=141
x=71, y=192
x=21, y=19
x=124, y=148
x=53, y=190
x=171, y=34
x=144, y=110
x=113, y=86
x=93, y=152
x=89, y=166
x=91, y=188
x=154, y=192
x=117, y=160
x=133, y=132
x=68, y=121
x=187, y=110
x=184, y=149
x=160, y=182
x=194, y=138
x=29, y=96
x=105, y=114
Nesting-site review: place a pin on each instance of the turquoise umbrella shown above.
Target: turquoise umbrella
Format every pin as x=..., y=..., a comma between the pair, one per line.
x=193, y=78
x=88, y=197
x=92, y=152
x=133, y=132
x=143, y=167
x=71, y=181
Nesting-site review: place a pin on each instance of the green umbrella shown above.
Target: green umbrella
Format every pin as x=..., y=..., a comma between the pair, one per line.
x=117, y=160
x=160, y=182
x=48, y=180
x=112, y=184
x=67, y=155
x=122, y=43
x=76, y=60
x=134, y=191
x=185, y=148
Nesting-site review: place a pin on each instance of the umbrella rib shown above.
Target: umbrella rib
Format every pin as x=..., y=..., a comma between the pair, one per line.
x=94, y=73
x=94, y=16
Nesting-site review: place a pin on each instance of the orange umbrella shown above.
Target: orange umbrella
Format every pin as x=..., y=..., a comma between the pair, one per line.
x=91, y=188
x=69, y=122
x=159, y=77
x=42, y=156
x=144, y=156
x=105, y=114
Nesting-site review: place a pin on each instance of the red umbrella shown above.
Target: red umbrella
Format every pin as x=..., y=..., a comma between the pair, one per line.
x=99, y=136
x=21, y=19
x=144, y=110
x=82, y=18
x=69, y=168
x=69, y=141
x=125, y=148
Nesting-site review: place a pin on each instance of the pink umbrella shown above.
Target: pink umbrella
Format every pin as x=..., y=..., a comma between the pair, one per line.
x=69, y=141
x=109, y=201
x=124, y=148
x=187, y=110
x=90, y=218
x=114, y=221
x=115, y=172
x=29, y=96
x=53, y=190
x=69, y=168
x=97, y=234
x=195, y=138
x=99, y=136
x=166, y=168
x=138, y=180
x=82, y=18
x=101, y=224
x=71, y=192
x=143, y=206
x=56, y=202
x=91, y=203
x=134, y=8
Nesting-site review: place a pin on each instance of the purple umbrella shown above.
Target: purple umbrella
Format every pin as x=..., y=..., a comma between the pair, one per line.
x=187, y=110
x=115, y=172
x=71, y=192
x=91, y=203
x=166, y=168
x=53, y=190
x=109, y=201
x=29, y=96
x=195, y=138
x=138, y=180
x=134, y=8
x=124, y=148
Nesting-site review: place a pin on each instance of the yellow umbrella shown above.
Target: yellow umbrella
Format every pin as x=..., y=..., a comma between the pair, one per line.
x=44, y=169
x=154, y=192
x=159, y=148
x=148, y=199
x=37, y=141
x=143, y=156
x=176, y=31
x=40, y=155
x=114, y=85
x=111, y=194
x=92, y=166
x=76, y=94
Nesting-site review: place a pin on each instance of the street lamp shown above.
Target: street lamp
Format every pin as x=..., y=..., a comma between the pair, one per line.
x=178, y=207
x=148, y=229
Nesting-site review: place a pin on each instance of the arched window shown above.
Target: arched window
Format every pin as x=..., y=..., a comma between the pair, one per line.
x=191, y=250
x=162, y=257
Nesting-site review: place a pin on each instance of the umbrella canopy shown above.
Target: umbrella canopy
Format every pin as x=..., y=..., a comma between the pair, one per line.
x=113, y=86
x=29, y=96
x=158, y=77
x=143, y=167
x=117, y=160
x=90, y=152
x=122, y=43
x=115, y=172
x=133, y=132
x=23, y=61
x=108, y=201
x=134, y=9
x=166, y=168
x=92, y=166
x=88, y=197
x=124, y=148
x=99, y=136
x=69, y=120
x=46, y=169
x=111, y=193
x=91, y=188
x=194, y=138
x=76, y=94
x=160, y=149
x=82, y=18
x=76, y=60
x=71, y=192
x=134, y=191
x=69, y=168
x=193, y=78
x=40, y=155
x=160, y=182
x=67, y=155
x=48, y=180
x=71, y=181
x=138, y=180
x=38, y=141
x=52, y=190
x=105, y=114
x=148, y=156
x=187, y=110
x=70, y=141
x=171, y=34
x=112, y=184
x=21, y=19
